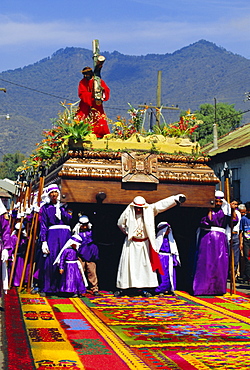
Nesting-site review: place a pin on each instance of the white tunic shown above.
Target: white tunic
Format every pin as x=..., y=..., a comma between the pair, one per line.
x=135, y=269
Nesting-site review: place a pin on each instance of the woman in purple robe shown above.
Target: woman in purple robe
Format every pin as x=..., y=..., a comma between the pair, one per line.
x=72, y=275
x=88, y=253
x=213, y=250
x=54, y=232
x=169, y=257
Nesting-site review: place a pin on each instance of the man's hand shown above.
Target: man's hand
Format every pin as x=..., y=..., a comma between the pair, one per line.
x=180, y=198
x=5, y=255
x=45, y=248
x=36, y=208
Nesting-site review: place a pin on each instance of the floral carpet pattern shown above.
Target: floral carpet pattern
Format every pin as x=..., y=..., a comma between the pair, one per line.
x=179, y=332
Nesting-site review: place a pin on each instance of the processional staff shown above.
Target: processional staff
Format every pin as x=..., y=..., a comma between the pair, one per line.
x=30, y=252
x=226, y=172
x=22, y=207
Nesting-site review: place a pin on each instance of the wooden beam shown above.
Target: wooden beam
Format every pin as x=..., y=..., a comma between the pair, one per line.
x=85, y=191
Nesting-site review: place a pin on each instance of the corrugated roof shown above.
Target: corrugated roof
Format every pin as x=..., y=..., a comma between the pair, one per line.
x=236, y=139
x=8, y=185
x=4, y=194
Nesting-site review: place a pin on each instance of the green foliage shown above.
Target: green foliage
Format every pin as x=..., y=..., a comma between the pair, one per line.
x=227, y=119
x=10, y=163
x=55, y=143
x=71, y=127
x=76, y=132
x=137, y=117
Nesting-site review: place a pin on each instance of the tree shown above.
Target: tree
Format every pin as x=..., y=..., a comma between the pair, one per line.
x=10, y=163
x=226, y=117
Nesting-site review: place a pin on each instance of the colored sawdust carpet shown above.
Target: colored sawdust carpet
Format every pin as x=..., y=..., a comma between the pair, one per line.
x=100, y=333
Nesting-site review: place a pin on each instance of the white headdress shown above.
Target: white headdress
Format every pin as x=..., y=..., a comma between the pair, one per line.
x=226, y=208
x=2, y=208
x=75, y=239
x=161, y=230
x=47, y=191
x=17, y=228
x=82, y=220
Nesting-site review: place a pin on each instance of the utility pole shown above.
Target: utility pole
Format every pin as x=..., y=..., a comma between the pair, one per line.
x=158, y=98
x=215, y=131
x=158, y=106
x=7, y=116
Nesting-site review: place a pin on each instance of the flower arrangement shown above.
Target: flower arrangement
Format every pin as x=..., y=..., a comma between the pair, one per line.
x=184, y=128
x=123, y=129
x=68, y=126
x=137, y=117
x=55, y=143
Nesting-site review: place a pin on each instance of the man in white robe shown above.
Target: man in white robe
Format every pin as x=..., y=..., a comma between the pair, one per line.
x=139, y=259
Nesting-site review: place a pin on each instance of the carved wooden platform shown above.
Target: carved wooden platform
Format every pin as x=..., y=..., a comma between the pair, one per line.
x=121, y=176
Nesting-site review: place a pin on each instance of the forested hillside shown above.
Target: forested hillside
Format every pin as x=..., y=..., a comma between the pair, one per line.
x=191, y=76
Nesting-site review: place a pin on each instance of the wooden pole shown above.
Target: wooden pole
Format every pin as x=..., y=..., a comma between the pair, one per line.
x=15, y=252
x=33, y=244
x=232, y=272
x=158, y=106
x=158, y=99
x=32, y=239
x=27, y=255
x=215, y=129
x=22, y=209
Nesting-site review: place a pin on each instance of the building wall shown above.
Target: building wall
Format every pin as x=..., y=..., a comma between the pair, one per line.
x=240, y=170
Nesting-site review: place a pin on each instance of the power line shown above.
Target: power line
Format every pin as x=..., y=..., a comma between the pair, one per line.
x=45, y=93
x=232, y=115
x=30, y=88
x=106, y=106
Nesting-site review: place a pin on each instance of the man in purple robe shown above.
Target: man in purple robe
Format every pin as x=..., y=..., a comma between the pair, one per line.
x=54, y=232
x=20, y=254
x=4, y=246
x=213, y=250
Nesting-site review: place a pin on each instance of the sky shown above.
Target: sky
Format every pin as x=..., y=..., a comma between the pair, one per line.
x=32, y=30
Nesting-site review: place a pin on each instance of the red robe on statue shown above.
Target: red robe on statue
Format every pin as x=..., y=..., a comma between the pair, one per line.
x=88, y=104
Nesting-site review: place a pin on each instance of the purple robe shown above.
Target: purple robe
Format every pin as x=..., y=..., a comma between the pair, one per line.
x=56, y=232
x=212, y=256
x=20, y=256
x=88, y=251
x=5, y=239
x=71, y=278
x=165, y=283
x=4, y=233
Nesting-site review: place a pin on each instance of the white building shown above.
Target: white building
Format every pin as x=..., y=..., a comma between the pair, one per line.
x=233, y=157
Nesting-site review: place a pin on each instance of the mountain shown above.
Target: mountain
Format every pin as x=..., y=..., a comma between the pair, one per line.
x=191, y=76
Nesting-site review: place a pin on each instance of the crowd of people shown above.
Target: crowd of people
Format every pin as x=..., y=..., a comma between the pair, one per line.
x=224, y=233
x=66, y=258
